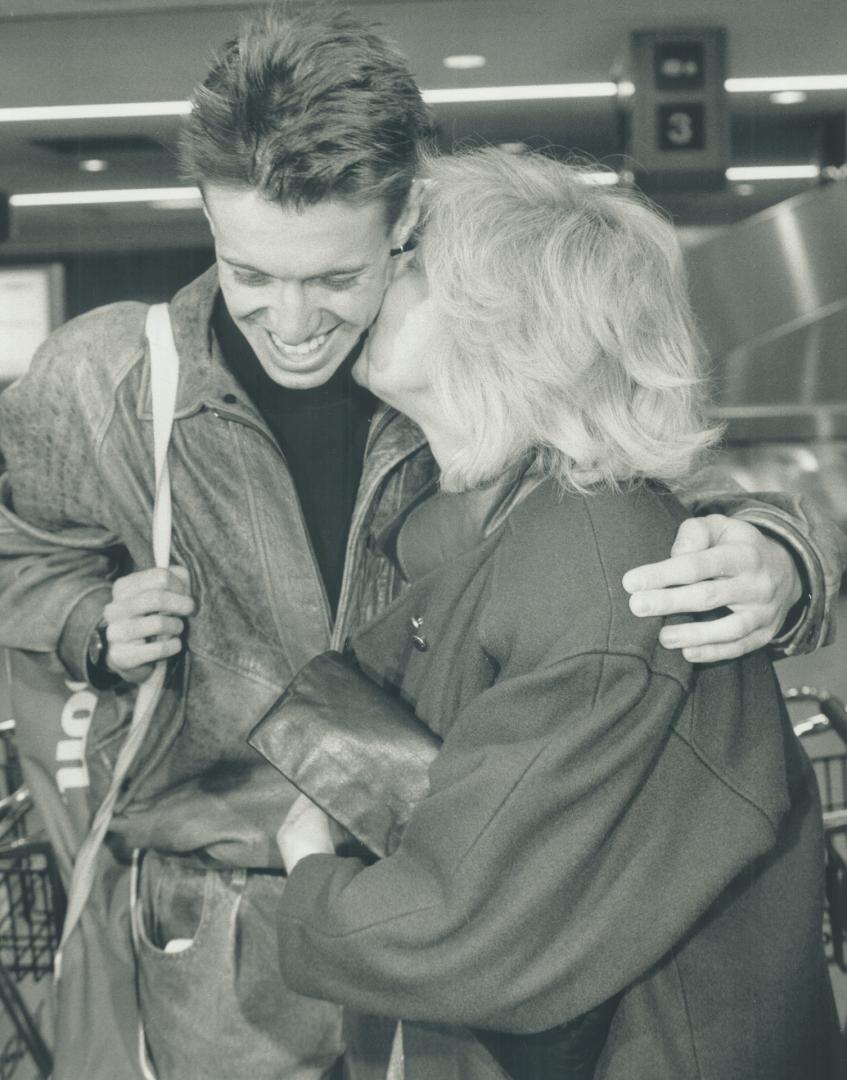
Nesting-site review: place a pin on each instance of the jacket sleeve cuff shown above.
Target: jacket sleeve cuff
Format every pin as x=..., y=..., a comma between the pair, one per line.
x=806, y=627
x=355, y=750
x=79, y=626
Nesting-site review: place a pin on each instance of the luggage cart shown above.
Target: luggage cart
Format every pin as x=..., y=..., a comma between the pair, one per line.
x=831, y=772
x=31, y=912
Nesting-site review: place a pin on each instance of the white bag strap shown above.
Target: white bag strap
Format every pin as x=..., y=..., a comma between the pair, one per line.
x=164, y=377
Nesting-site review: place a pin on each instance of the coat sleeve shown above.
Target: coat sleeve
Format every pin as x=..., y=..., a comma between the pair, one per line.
x=57, y=551
x=817, y=545
x=569, y=838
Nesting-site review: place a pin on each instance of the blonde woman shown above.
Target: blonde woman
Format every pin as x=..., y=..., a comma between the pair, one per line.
x=613, y=868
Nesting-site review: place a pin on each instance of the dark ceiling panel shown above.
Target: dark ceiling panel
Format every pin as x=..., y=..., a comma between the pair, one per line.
x=91, y=146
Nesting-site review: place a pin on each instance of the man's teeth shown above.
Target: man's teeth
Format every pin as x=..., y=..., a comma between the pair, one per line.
x=303, y=349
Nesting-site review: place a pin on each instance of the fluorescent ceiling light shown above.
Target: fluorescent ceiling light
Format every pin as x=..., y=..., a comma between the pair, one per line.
x=114, y=195
x=178, y=204
x=94, y=112
x=464, y=61
x=521, y=93
x=773, y=172
x=174, y=198
x=786, y=82
x=94, y=165
x=538, y=92
x=188, y=195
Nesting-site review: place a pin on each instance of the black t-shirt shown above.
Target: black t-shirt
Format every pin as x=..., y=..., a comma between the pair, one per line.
x=322, y=433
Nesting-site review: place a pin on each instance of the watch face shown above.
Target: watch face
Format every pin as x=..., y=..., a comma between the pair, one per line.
x=96, y=646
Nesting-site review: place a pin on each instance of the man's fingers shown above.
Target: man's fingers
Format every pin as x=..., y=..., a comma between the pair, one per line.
x=126, y=657
x=710, y=654
x=694, y=534
x=144, y=619
x=717, y=562
x=704, y=596
x=734, y=627
x=139, y=629
x=682, y=570
x=175, y=579
x=152, y=601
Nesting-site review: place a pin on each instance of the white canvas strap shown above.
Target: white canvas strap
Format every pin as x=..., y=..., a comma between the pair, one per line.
x=164, y=377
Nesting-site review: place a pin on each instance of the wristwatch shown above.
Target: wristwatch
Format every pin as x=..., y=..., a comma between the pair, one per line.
x=97, y=645
x=99, y=675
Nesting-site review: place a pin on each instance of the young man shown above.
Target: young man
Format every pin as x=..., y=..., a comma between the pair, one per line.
x=305, y=140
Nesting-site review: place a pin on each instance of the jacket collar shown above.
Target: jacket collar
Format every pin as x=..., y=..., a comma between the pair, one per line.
x=440, y=525
x=203, y=376
x=204, y=379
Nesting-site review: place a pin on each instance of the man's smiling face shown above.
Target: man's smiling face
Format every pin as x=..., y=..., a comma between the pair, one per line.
x=302, y=285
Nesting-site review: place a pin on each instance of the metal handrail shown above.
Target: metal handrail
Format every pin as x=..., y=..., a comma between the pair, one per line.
x=13, y=809
x=832, y=711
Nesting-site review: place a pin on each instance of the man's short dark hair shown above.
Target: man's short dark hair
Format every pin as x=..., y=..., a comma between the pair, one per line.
x=306, y=107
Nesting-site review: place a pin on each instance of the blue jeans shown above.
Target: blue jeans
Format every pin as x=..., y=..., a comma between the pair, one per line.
x=218, y=1009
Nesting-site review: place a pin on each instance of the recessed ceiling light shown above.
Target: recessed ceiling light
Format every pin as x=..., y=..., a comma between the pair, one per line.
x=788, y=97
x=94, y=165
x=464, y=61
x=745, y=190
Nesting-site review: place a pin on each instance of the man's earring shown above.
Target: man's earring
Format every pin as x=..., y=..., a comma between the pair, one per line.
x=410, y=244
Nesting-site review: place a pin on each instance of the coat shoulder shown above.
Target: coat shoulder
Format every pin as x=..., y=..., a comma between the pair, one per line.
x=558, y=568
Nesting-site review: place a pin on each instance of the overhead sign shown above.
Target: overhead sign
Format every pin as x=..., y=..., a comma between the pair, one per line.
x=679, y=125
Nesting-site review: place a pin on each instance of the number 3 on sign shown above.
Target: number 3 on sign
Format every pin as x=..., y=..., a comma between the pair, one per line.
x=681, y=126
x=680, y=130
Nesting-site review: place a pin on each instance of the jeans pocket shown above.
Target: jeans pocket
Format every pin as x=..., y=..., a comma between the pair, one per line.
x=215, y=1007
x=174, y=906
x=181, y=989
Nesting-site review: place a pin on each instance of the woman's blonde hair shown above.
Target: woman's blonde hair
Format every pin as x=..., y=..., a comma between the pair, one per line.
x=567, y=325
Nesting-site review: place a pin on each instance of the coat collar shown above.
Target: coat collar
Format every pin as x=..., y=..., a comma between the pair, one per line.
x=440, y=525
